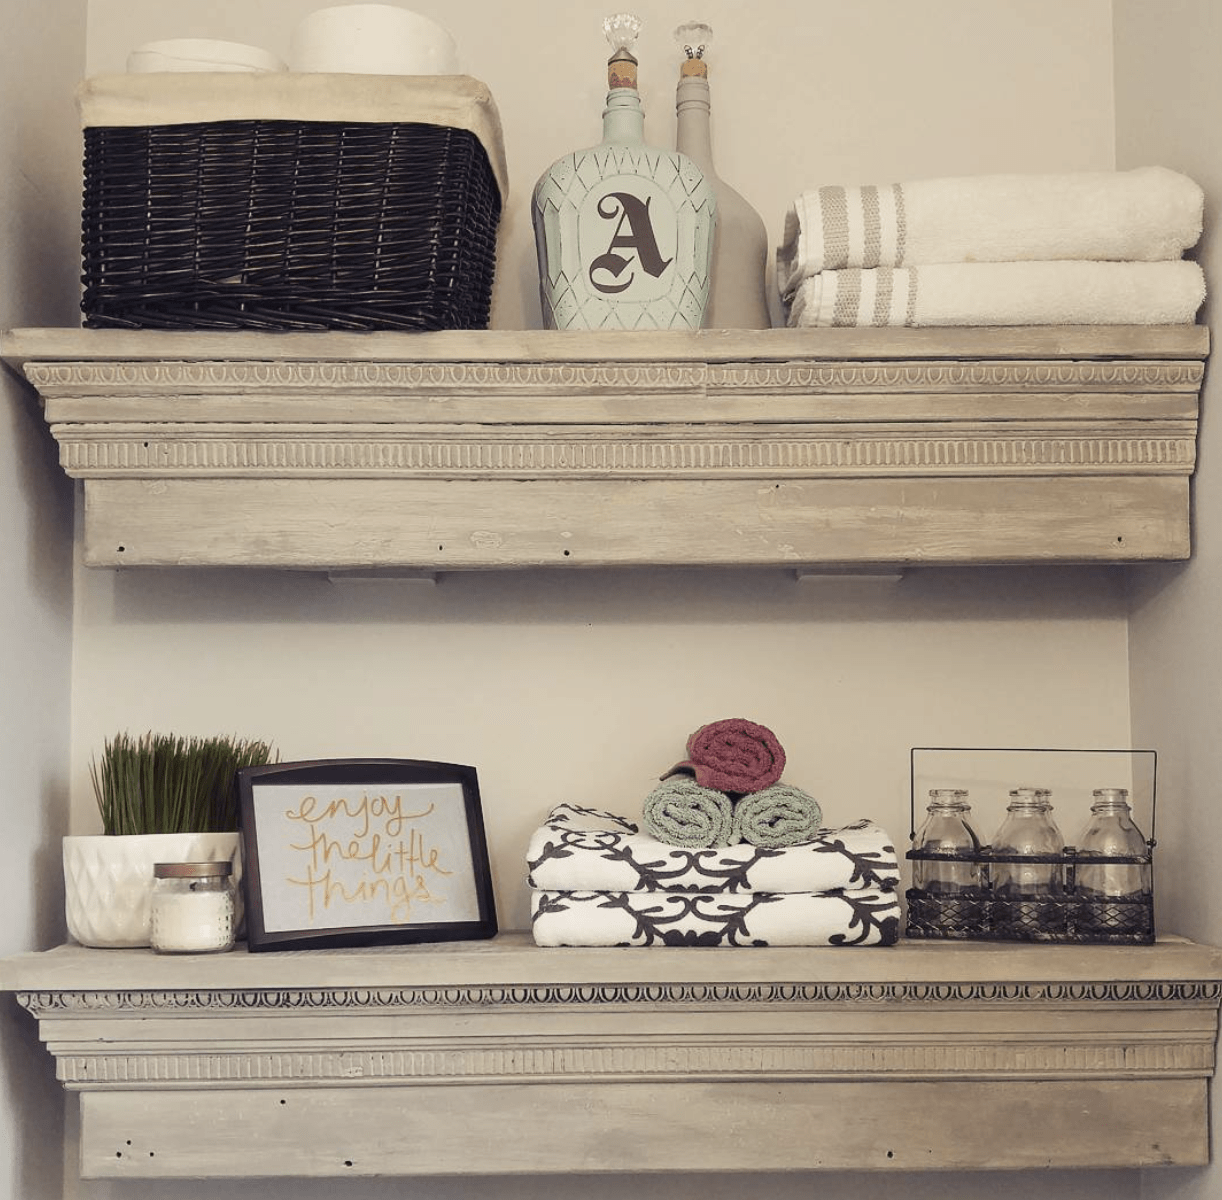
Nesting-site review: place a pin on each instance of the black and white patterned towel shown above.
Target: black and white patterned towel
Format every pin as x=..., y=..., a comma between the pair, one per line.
x=587, y=849
x=863, y=918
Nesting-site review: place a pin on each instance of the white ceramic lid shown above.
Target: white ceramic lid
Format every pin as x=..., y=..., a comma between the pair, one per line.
x=200, y=54
x=372, y=39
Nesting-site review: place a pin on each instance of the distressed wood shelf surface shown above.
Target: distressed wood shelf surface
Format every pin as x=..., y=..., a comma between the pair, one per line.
x=503, y=1058
x=474, y=450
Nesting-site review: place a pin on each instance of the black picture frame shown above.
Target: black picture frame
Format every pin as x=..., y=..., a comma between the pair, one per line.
x=348, y=852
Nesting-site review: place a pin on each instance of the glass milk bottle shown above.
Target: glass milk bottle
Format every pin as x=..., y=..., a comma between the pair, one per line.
x=624, y=231
x=1114, y=897
x=1028, y=891
x=947, y=900
x=946, y=830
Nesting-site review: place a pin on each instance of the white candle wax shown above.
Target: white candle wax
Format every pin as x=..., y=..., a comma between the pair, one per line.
x=192, y=920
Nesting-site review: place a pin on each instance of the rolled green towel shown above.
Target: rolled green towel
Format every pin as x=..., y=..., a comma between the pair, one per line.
x=780, y=815
x=680, y=812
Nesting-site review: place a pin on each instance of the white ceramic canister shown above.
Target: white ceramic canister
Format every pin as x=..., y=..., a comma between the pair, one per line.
x=372, y=39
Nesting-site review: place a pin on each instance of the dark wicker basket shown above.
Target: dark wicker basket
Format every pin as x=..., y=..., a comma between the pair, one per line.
x=288, y=225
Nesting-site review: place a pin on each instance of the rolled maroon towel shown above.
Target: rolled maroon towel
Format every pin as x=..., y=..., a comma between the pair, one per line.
x=734, y=755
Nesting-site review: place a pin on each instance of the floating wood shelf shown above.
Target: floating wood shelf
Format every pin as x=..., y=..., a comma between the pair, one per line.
x=833, y=448
x=502, y=1058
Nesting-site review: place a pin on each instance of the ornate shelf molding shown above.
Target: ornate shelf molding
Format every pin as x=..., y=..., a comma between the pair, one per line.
x=451, y=451
x=499, y=1057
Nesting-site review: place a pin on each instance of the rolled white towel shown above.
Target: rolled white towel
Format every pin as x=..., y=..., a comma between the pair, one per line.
x=1008, y=293
x=1143, y=215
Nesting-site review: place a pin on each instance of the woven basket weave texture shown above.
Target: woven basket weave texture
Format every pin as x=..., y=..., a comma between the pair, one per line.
x=288, y=225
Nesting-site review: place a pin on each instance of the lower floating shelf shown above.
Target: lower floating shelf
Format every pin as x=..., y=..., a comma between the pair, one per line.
x=503, y=1058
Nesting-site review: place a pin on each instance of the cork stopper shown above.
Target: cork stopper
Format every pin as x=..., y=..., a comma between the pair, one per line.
x=693, y=68
x=621, y=70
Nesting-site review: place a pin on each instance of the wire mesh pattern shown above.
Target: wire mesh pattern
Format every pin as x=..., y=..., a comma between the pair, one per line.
x=1068, y=915
x=288, y=225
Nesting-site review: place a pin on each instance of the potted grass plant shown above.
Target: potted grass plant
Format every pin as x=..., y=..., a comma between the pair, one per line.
x=161, y=798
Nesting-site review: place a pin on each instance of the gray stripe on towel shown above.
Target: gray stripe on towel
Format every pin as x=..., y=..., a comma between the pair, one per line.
x=901, y=228
x=882, y=297
x=910, y=316
x=835, y=211
x=848, y=297
x=872, y=228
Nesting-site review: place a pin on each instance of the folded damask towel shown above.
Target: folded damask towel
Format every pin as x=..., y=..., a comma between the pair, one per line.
x=682, y=812
x=1141, y=215
x=1012, y=293
x=733, y=755
x=586, y=849
x=780, y=815
x=720, y=919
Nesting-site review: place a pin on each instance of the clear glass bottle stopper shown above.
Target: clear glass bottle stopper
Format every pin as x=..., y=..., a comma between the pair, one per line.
x=621, y=30
x=695, y=38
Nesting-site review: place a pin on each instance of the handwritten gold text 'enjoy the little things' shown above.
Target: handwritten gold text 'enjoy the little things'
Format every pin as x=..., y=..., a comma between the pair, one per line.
x=398, y=867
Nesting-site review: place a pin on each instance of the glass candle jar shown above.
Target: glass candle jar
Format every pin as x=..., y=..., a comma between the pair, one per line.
x=192, y=908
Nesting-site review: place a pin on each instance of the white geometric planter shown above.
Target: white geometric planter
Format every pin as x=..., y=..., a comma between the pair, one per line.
x=108, y=880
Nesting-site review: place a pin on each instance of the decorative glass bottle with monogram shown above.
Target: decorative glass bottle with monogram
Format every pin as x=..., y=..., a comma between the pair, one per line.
x=624, y=231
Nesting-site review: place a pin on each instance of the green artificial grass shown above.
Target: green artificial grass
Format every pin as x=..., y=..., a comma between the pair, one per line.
x=161, y=783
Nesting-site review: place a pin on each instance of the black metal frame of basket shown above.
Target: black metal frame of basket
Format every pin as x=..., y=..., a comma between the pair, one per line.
x=980, y=915
x=288, y=225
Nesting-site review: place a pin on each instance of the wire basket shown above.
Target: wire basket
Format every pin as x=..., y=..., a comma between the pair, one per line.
x=288, y=225
x=1067, y=915
x=981, y=914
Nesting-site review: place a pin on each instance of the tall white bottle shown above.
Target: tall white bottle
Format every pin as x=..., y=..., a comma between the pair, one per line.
x=737, y=292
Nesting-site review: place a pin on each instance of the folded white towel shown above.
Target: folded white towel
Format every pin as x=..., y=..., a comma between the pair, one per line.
x=1141, y=215
x=1010, y=293
x=583, y=849
x=720, y=919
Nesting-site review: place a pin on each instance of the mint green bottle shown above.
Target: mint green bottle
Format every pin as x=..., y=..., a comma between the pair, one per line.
x=624, y=231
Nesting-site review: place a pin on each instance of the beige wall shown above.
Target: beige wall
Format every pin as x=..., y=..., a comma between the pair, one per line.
x=1169, y=103
x=584, y=685
x=41, y=52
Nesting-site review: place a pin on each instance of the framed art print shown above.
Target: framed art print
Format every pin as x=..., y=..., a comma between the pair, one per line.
x=362, y=852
